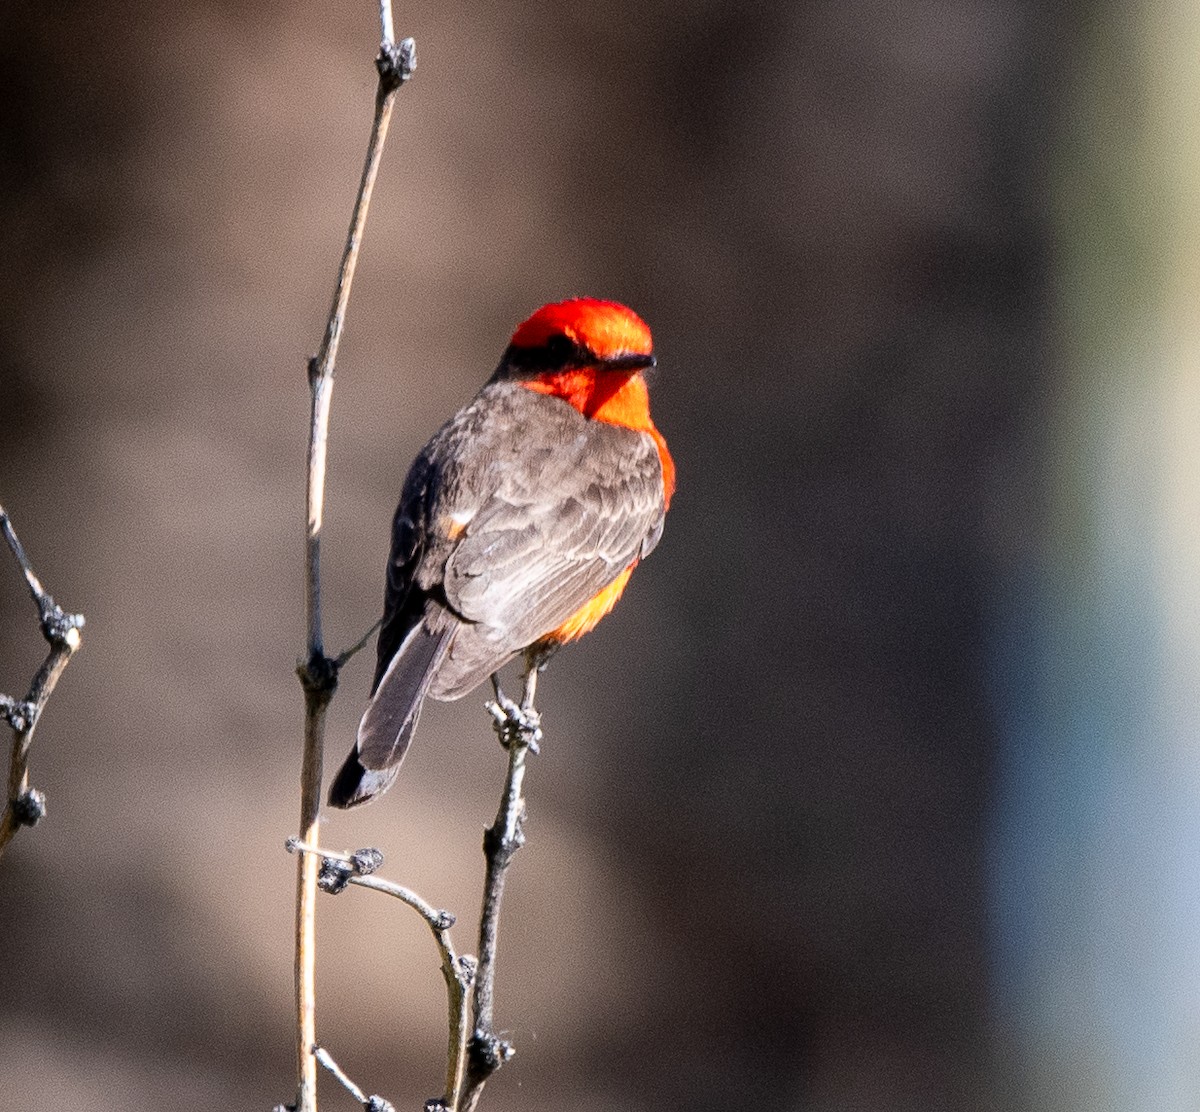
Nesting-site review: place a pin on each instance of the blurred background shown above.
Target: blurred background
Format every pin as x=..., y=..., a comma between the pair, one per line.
x=879, y=790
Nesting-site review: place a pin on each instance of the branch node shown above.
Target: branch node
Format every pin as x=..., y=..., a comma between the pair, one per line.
x=60, y=629
x=501, y=848
x=366, y=861
x=465, y=970
x=488, y=1053
x=18, y=713
x=29, y=808
x=395, y=63
x=338, y=870
x=318, y=676
x=334, y=875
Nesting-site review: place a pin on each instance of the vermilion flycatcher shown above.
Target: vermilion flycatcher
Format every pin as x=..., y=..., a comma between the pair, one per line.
x=519, y=524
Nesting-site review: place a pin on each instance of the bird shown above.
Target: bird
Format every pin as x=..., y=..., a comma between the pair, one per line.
x=519, y=523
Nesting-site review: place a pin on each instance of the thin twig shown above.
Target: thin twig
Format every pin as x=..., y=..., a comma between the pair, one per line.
x=459, y=975
x=370, y=1104
x=457, y=971
x=326, y=1059
x=23, y=805
x=318, y=674
x=385, y=20
x=519, y=730
x=358, y=646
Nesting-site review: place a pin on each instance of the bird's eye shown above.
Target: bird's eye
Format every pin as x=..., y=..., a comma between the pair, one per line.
x=559, y=349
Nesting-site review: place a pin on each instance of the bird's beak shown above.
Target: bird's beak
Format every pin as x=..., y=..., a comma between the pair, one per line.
x=630, y=362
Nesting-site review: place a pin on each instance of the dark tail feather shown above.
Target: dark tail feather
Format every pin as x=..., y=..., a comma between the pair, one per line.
x=355, y=784
x=390, y=719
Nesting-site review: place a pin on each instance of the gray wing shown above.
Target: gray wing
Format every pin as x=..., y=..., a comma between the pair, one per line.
x=535, y=510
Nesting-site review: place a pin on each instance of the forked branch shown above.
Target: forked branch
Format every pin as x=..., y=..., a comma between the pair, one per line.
x=475, y=1050
x=24, y=805
x=336, y=871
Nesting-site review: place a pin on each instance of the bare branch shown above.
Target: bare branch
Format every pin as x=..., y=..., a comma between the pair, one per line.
x=357, y=647
x=337, y=870
x=385, y=21
x=519, y=729
x=459, y=975
x=371, y=1104
x=318, y=674
x=23, y=805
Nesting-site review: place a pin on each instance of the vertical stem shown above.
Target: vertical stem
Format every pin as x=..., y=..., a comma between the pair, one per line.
x=306, y=922
x=318, y=441
x=318, y=674
x=385, y=21
x=518, y=729
x=325, y=359
x=505, y=838
x=458, y=987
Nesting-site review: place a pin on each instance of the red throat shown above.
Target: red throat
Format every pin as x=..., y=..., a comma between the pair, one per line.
x=618, y=398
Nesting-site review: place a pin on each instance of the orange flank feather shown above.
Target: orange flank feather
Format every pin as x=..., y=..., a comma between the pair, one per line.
x=589, y=614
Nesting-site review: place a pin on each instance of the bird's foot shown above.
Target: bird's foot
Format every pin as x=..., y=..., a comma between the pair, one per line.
x=515, y=724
